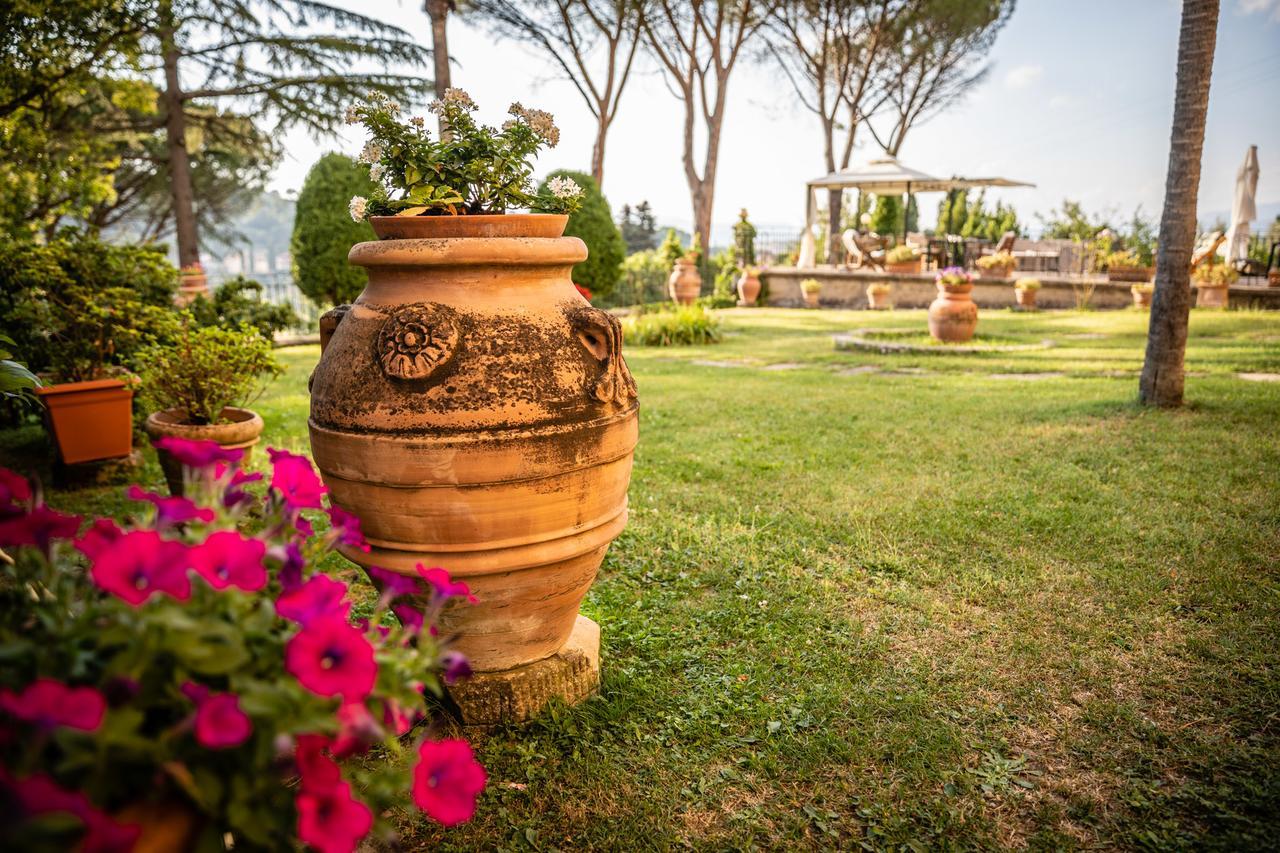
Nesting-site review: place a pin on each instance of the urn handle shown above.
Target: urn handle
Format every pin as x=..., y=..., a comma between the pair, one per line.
x=329, y=321
x=600, y=334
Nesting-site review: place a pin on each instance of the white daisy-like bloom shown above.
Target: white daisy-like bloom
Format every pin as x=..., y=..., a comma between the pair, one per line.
x=393, y=107
x=351, y=115
x=376, y=171
x=357, y=207
x=371, y=153
x=418, y=121
x=565, y=188
x=459, y=97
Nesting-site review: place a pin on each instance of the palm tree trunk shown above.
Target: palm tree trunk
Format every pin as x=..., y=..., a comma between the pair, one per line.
x=1163, y=373
x=438, y=12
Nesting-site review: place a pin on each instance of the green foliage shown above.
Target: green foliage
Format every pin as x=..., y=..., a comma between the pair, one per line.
x=638, y=227
x=17, y=383
x=1071, y=222
x=671, y=249
x=887, y=218
x=238, y=302
x=1027, y=284
x=1121, y=260
x=204, y=369
x=1002, y=261
x=1139, y=237
x=685, y=325
x=644, y=279
x=78, y=306
x=810, y=285
x=958, y=214
x=744, y=239
x=323, y=231
x=1215, y=275
x=726, y=269
x=593, y=224
x=902, y=254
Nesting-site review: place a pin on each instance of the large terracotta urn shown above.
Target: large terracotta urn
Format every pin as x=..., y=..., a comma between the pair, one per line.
x=476, y=414
x=953, y=315
x=748, y=288
x=685, y=282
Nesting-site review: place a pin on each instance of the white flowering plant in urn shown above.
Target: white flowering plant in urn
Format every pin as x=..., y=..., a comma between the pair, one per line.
x=474, y=169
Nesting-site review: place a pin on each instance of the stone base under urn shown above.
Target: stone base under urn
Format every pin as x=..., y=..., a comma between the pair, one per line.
x=518, y=695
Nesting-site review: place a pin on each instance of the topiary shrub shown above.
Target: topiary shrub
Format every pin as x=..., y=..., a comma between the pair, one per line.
x=323, y=231
x=593, y=224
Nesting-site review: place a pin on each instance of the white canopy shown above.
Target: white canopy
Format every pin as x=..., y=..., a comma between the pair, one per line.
x=1244, y=208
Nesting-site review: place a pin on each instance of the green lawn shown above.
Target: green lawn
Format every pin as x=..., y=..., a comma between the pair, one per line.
x=915, y=600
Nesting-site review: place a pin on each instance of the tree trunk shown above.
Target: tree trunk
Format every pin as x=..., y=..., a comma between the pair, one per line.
x=835, y=206
x=175, y=125
x=597, y=150
x=438, y=12
x=1162, y=371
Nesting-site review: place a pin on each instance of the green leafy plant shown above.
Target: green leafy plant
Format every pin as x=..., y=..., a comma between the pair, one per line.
x=207, y=368
x=903, y=254
x=879, y=288
x=475, y=169
x=1027, y=284
x=593, y=224
x=16, y=381
x=1215, y=275
x=744, y=238
x=1143, y=287
x=1000, y=261
x=1123, y=259
x=671, y=249
x=238, y=302
x=688, y=325
x=323, y=232
x=810, y=286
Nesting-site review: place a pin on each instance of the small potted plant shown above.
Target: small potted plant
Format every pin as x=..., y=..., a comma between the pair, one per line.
x=198, y=387
x=1024, y=291
x=1142, y=291
x=187, y=683
x=1125, y=265
x=999, y=265
x=878, y=295
x=953, y=315
x=1213, y=281
x=811, y=288
x=193, y=283
x=902, y=260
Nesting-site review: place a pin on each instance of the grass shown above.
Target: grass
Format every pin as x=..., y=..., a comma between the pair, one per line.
x=905, y=601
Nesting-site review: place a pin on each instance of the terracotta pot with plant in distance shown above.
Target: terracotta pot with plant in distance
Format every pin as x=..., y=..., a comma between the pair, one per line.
x=1213, y=283
x=902, y=260
x=878, y=295
x=953, y=315
x=192, y=284
x=1024, y=293
x=811, y=290
x=999, y=265
x=685, y=282
x=197, y=389
x=1141, y=293
x=749, y=287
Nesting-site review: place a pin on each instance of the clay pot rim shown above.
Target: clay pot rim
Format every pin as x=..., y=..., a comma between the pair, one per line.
x=77, y=387
x=470, y=252
x=484, y=225
x=244, y=430
x=955, y=288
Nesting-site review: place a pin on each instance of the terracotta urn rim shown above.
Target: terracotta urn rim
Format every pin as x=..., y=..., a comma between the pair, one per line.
x=955, y=288
x=244, y=430
x=534, y=225
x=502, y=252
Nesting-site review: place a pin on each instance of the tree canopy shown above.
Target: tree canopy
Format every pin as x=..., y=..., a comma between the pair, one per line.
x=593, y=224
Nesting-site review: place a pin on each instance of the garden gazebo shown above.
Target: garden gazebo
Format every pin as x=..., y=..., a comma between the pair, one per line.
x=884, y=176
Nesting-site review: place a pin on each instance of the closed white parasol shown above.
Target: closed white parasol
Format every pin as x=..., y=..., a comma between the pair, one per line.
x=1244, y=208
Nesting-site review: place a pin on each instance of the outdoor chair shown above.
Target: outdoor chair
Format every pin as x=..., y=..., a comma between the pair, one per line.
x=863, y=250
x=1208, y=248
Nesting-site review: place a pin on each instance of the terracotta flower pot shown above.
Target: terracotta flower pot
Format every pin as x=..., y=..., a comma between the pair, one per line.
x=905, y=268
x=191, y=285
x=1026, y=298
x=685, y=282
x=242, y=432
x=953, y=315
x=171, y=827
x=1141, y=298
x=1212, y=297
x=90, y=420
x=1130, y=273
x=878, y=299
x=748, y=289
x=811, y=299
x=477, y=414
x=996, y=272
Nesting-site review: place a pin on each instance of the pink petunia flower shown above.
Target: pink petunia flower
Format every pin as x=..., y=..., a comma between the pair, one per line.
x=320, y=596
x=227, y=558
x=296, y=481
x=393, y=584
x=411, y=616
x=15, y=493
x=100, y=534
x=220, y=724
x=200, y=453
x=51, y=704
x=170, y=510
x=444, y=586
x=140, y=564
x=447, y=780
x=357, y=730
x=317, y=770
x=38, y=795
x=38, y=528
x=235, y=493
x=331, y=820
x=330, y=657
x=455, y=666
x=347, y=529
x=397, y=718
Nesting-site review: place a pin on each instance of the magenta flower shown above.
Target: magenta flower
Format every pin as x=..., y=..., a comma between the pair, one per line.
x=331, y=820
x=198, y=454
x=170, y=510
x=318, y=771
x=396, y=718
x=39, y=528
x=140, y=564
x=40, y=795
x=50, y=704
x=235, y=494
x=296, y=481
x=330, y=657
x=447, y=780
x=15, y=492
x=410, y=616
x=444, y=586
x=357, y=730
x=227, y=558
x=455, y=666
x=347, y=529
x=320, y=596
x=100, y=534
x=291, y=561
x=220, y=724
x=393, y=584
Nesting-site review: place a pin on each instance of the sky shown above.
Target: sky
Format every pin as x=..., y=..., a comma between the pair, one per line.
x=1078, y=101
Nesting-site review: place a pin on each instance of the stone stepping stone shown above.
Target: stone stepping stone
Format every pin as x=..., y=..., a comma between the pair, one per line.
x=1025, y=377
x=784, y=365
x=1260, y=377
x=707, y=362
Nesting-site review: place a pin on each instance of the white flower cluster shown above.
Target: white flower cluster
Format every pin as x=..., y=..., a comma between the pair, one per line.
x=357, y=207
x=372, y=152
x=352, y=115
x=458, y=97
x=540, y=122
x=418, y=121
x=565, y=188
x=376, y=171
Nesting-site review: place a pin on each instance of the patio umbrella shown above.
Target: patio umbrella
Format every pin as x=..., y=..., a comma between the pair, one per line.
x=1244, y=208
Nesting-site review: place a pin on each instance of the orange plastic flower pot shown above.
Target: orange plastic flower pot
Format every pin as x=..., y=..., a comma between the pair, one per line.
x=90, y=420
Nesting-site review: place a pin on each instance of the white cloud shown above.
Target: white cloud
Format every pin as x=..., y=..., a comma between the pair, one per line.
x=1024, y=76
x=1271, y=7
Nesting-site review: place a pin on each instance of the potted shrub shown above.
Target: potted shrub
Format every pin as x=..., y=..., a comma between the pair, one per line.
x=198, y=387
x=685, y=282
x=1024, y=292
x=878, y=295
x=902, y=260
x=811, y=288
x=999, y=265
x=193, y=283
x=471, y=409
x=749, y=285
x=953, y=315
x=1126, y=266
x=1142, y=294
x=187, y=681
x=1213, y=282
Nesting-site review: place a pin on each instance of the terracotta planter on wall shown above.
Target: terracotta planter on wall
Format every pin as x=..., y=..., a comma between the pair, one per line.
x=748, y=289
x=1212, y=297
x=953, y=315
x=90, y=420
x=477, y=414
x=878, y=299
x=685, y=283
x=241, y=432
x=1141, y=298
x=1026, y=298
x=1130, y=273
x=811, y=299
x=907, y=268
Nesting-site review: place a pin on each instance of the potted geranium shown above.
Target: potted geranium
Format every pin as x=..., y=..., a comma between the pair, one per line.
x=878, y=294
x=186, y=684
x=198, y=387
x=1024, y=292
x=1213, y=281
x=1141, y=292
x=1126, y=265
x=953, y=315
x=811, y=288
x=902, y=260
x=999, y=265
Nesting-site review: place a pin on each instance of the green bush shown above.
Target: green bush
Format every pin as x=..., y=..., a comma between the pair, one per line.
x=323, y=231
x=205, y=369
x=671, y=249
x=77, y=307
x=684, y=326
x=887, y=218
x=593, y=224
x=644, y=279
x=238, y=302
